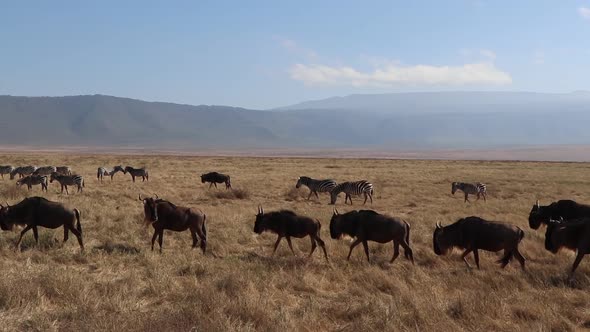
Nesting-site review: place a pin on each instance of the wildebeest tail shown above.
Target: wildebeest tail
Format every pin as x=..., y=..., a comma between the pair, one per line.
x=147, y=176
x=78, y=225
x=520, y=235
x=406, y=253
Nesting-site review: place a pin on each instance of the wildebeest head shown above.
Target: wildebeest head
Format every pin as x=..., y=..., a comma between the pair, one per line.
x=454, y=188
x=537, y=217
x=259, y=224
x=203, y=178
x=150, y=208
x=442, y=240
x=335, y=225
x=4, y=225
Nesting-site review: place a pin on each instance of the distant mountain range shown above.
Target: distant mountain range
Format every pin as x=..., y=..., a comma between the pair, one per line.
x=392, y=121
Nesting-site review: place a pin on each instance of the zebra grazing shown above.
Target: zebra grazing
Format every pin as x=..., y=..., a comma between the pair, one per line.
x=22, y=171
x=45, y=170
x=64, y=170
x=6, y=170
x=33, y=180
x=478, y=189
x=352, y=188
x=137, y=172
x=67, y=180
x=102, y=171
x=315, y=186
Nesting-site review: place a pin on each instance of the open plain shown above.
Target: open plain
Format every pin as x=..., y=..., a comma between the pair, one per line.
x=119, y=284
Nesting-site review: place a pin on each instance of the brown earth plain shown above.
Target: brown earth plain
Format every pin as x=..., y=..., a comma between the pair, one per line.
x=119, y=284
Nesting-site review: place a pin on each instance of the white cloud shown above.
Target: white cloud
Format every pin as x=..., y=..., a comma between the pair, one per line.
x=293, y=47
x=584, y=12
x=395, y=74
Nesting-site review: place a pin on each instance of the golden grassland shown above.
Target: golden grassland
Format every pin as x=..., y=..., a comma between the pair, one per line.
x=119, y=284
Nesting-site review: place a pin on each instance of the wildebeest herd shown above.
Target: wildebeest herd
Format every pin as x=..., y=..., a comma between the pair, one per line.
x=568, y=222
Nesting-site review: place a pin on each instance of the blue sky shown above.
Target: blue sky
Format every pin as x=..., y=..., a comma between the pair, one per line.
x=262, y=54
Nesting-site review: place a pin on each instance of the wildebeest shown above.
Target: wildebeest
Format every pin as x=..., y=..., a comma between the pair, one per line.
x=22, y=171
x=287, y=224
x=162, y=214
x=474, y=233
x=566, y=209
x=214, y=178
x=368, y=225
x=478, y=189
x=102, y=171
x=6, y=170
x=39, y=212
x=573, y=234
x=64, y=170
x=137, y=172
x=33, y=180
x=45, y=170
x=67, y=180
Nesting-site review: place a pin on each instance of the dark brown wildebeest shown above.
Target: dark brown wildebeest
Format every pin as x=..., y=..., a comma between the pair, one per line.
x=162, y=214
x=566, y=209
x=33, y=180
x=287, y=224
x=214, y=178
x=474, y=233
x=368, y=225
x=573, y=234
x=137, y=172
x=38, y=211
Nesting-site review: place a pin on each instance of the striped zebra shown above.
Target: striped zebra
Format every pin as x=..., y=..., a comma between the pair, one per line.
x=22, y=171
x=33, y=180
x=352, y=188
x=315, y=186
x=67, y=180
x=478, y=189
x=102, y=171
x=6, y=170
x=64, y=170
x=137, y=172
x=45, y=170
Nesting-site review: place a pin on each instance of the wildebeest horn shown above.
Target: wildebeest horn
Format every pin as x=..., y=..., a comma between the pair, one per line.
x=156, y=196
x=140, y=197
x=537, y=203
x=438, y=225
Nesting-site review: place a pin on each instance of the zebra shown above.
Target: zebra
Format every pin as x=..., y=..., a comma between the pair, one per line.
x=6, y=170
x=22, y=171
x=352, y=188
x=478, y=189
x=45, y=170
x=33, y=180
x=315, y=186
x=67, y=180
x=102, y=171
x=137, y=172
x=64, y=170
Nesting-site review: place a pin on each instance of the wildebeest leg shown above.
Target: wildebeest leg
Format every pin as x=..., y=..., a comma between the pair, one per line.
x=66, y=233
x=395, y=251
x=323, y=245
x=290, y=245
x=276, y=244
x=194, y=236
x=21, y=236
x=476, y=256
x=465, y=253
x=366, y=246
x=36, y=235
x=407, y=251
x=577, y=261
x=313, y=246
x=154, y=238
x=203, y=236
x=215, y=183
x=161, y=238
x=354, y=244
x=519, y=256
x=78, y=236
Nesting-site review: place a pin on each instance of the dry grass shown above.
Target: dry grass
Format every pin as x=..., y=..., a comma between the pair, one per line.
x=119, y=284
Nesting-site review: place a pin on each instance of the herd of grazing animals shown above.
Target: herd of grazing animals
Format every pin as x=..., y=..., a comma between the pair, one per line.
x=567, y=222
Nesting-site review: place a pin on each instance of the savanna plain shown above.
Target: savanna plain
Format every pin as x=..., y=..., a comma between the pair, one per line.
x=119, y=284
